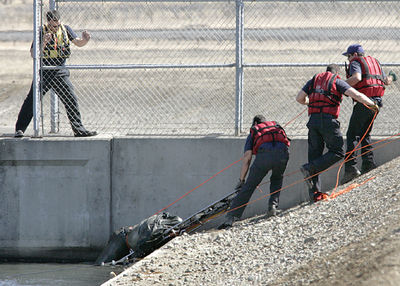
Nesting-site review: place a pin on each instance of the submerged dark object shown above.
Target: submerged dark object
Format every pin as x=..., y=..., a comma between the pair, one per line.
x=142, y=238
x=152, y=233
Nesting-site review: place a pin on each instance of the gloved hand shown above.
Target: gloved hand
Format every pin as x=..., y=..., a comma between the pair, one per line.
x=374, y=108
x=394, y=76
x=239, y=184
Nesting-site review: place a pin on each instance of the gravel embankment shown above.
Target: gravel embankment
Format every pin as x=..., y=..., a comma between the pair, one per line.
x=351, y=240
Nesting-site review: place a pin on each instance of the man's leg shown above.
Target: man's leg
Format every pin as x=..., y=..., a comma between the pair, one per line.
x=256, y=174
x=279, y=161
x=353, y=136
x=359, y=118
x=26, y=112
x=333, y=139
x=63, y=87
x=315, y=150
x=368, y=161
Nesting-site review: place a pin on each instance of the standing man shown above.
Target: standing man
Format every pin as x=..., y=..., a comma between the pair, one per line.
x=366, y=75
x=56, y=43
x=268, y=141
x=323, y=95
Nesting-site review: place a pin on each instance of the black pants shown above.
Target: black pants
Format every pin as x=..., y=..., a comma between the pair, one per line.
x=62, y=86
x=323, y=129
x=360, y=120
x=266, y=159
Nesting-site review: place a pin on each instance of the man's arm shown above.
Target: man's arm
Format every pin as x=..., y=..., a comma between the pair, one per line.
x=47, y=38
x=80, y=42
x=247, y=157
x=302, y=97
x=390, y=78
x=358, y=96
x=354, y=79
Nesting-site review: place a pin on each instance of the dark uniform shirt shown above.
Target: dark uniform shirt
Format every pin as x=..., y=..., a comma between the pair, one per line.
x=341, y=86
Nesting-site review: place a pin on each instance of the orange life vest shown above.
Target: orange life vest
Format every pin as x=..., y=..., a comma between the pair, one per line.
x=371, y=83
x=268, y=131
x=324, y=96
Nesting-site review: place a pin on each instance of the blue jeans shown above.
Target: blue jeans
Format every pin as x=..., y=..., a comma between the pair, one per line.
x=271, y=159
x=323, y=129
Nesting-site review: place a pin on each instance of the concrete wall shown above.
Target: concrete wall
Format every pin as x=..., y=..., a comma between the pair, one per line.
x=61, y=199
x=55, y=196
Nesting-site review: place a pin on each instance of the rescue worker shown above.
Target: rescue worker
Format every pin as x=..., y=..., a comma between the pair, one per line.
x=323, y=95
x=268, y=141
x=56, y=44
x=366, y=75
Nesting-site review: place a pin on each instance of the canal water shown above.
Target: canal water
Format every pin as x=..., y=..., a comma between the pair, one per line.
x=52, y=274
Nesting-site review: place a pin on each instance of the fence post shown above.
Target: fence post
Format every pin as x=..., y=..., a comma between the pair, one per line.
x=54, y=114
x=239, y=67
x=37, y=15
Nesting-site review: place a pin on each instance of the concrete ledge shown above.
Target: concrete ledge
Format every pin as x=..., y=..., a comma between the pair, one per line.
x=64, y=197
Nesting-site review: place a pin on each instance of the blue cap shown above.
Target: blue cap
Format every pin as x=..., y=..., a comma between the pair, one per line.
x=356, y=48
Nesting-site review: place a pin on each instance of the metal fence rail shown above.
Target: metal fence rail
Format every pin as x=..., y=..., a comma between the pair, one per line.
x=207, y=67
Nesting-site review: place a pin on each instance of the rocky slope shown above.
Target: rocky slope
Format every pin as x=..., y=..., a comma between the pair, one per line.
x=353, y=239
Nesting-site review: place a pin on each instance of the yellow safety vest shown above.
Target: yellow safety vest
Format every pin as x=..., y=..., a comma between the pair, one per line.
x=59, y=46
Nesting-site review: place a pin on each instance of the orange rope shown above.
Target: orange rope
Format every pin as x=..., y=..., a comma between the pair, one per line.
x=379, y=141
x=359, y=142
x=216, y=174
x=290, y=121
x=213, y=176
x=302, y=180
x=333, y=195
x=349, y=188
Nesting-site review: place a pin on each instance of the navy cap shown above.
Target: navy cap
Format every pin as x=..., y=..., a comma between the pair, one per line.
x=356, y=48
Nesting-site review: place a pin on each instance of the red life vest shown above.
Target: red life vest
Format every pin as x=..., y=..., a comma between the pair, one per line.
x=268, y=131
x=371, y=83
x=324, y=96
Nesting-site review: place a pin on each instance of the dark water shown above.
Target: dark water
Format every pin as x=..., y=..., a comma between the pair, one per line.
x=49, y=274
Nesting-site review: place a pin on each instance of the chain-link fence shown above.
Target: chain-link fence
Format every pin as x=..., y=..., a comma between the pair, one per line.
x=207, y=67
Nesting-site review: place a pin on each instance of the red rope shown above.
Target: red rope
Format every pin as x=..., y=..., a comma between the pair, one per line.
x=351, y=152
x=213, y=176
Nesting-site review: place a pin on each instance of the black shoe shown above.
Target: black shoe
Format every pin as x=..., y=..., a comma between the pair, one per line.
x=228, y=222
x=311, y=194
x=365, y=168
x=85, y=133
x=272, y=210
x=19, y=134
x=305, y=169
x=350, y=175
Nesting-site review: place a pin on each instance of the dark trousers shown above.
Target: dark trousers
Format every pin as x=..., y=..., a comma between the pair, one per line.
x=62, y=86
x=323, y=129
x=266, y=159
x=360, y=120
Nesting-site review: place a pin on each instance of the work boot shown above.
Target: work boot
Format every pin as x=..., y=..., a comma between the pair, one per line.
x=305, y=170
x=19, y=134
x=366, y=167
x=272, y=210
x=85, y=133
x=311, y=193
x=228, y=222
x=350, y=174
x=319, y=196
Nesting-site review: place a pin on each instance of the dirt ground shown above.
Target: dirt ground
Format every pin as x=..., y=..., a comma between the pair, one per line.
x=370, y=262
